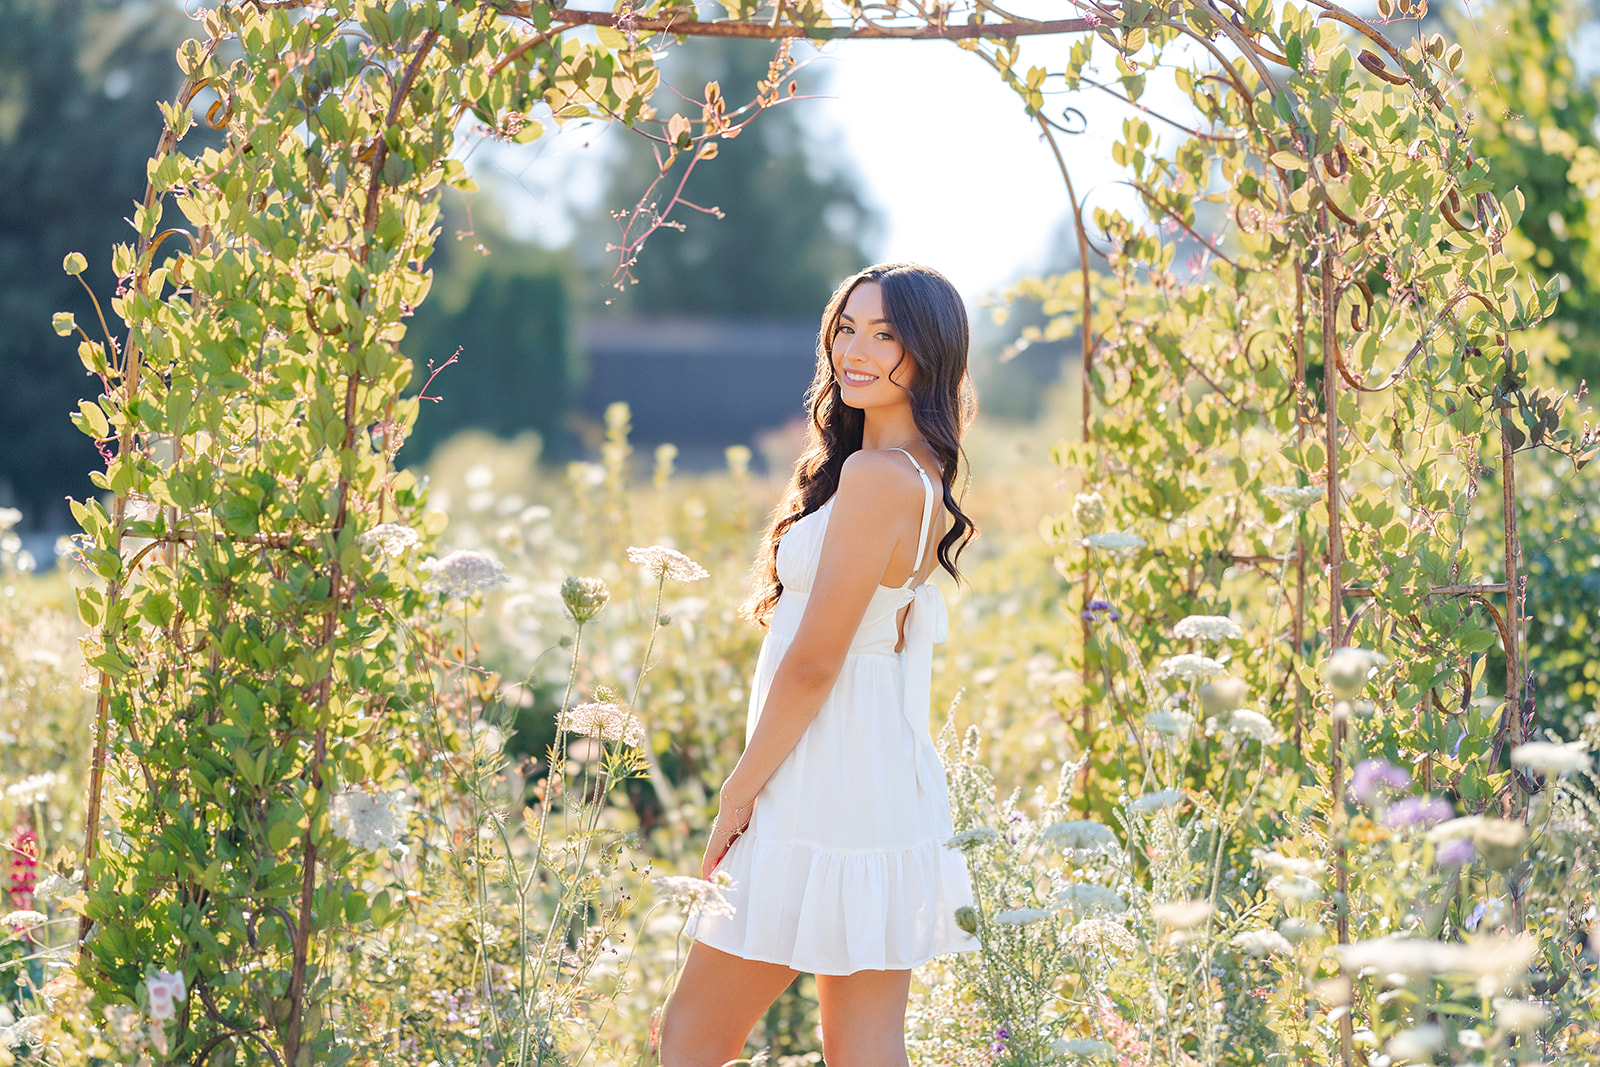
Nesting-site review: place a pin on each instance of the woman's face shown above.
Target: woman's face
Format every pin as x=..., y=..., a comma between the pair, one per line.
x=866, y=353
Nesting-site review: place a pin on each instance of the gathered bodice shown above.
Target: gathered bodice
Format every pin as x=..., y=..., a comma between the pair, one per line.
x=799, y=552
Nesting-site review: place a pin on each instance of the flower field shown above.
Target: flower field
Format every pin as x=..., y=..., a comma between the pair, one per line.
x=1128, y=916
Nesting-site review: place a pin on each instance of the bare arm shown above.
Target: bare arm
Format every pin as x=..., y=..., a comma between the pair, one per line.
x=863, y=533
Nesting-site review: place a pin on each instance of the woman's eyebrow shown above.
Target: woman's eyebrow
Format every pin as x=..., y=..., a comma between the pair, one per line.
x=883, y=322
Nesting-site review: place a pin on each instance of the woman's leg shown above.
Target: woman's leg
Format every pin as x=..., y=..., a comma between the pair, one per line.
x=864, y=1018
x=716, y=1003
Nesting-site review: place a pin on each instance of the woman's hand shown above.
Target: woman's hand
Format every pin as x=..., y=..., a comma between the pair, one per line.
x=730, y=822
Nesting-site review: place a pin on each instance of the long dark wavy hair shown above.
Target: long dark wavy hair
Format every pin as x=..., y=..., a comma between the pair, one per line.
x=930, y=322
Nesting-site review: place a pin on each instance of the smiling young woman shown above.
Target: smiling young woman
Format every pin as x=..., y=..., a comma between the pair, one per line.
x=833, y=825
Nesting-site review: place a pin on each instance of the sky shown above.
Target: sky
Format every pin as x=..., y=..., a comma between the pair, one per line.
x=958, y=173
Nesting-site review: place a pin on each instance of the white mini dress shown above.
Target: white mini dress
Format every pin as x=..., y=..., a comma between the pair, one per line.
x=844, y=866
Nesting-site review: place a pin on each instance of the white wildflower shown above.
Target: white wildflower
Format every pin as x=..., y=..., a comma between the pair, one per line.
x=1523, y=1016
x=1294, y=497
x=1418, y=1043
x=604, y=721
x=34, y=789
x=1294, y=888
x=1261, y=942
x=660, y=560
x=1496, y=957
x=1207, y=628
x=163, y=989
x=1089, y=512
x=53, y=886
x=1292, y=865
x=27, y=1030
x=1160, y=801
x=978, y=835
x=391, y=538
x=1082, y=1046
x=584, y=597
x=1552, y=759
x=1347, y=671
x=1182, y=914
x=1079, y=834
x=26, y=919
x=1190, y=668
x=695, y=896
x=1301, y=929
x=1098, y=934
x=1090, y=899
x=1020, y=916
x=367, y=820
x=1169, y=722
x=1218, y=696
x=462, y=573
x=1116, y=543
x=9, y=517
x=1242, y=722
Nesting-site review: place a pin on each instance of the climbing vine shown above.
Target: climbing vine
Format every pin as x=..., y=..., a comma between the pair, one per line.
x=1303, y=387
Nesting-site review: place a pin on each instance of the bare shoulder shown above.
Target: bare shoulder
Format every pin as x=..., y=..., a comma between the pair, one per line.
x=878, y=480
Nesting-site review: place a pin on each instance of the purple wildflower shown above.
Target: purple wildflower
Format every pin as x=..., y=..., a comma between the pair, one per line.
x=1476, y=915
x=1454, y=853
x=1371, y=774
x=1418, y=811
x=1099, y=605
x=1002, y=1035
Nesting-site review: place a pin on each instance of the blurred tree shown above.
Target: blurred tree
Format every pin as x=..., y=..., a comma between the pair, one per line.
x=1538, y=119
x=794, y=223
x=508, y=316
x=78, y=85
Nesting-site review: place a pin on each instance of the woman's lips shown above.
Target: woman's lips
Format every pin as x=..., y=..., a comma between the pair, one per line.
x=848, y=377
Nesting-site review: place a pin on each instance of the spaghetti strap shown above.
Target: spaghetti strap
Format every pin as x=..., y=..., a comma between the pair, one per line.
x=927, y=514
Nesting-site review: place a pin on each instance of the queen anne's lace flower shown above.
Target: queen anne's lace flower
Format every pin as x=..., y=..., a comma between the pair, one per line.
x=1079, y=834
x=1552, y=759
x=695, y=896
x=660, y=560
x=1207, y=628
x=25, y=919
x=1115, y=542
x=462, y=573
x=1089, y=512
x=978, y=835
x=1158, y=801
x=604, y=721
x=1242, y=722
x=1190, y=667
x=1182, y=914
x=1294, y=865
x=1169, y=722
x=34, y=789
x=1090, y=899
x=1294, y=497
x=1294, y=888
x=1489, y=957
x=1261, y=942
x=584, y=597
x=9, y=517
x=391, y=538
x=1417, y=1044
x=1020, y=916
x=367, y=820
x=1348, y=669
x=1300, y=929
x=1100, y=935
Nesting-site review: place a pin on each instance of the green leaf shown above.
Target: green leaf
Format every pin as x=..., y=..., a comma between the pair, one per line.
x=74, y=264
x=63, y=323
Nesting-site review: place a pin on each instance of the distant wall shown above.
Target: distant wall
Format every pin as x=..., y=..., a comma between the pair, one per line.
x=699, y=383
